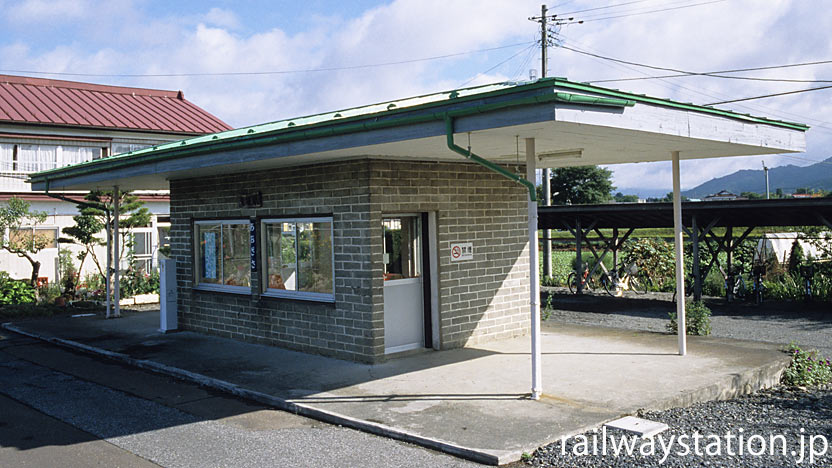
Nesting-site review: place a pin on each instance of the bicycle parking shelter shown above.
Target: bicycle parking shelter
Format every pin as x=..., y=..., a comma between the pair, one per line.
x=455, y=170
x=698, y=218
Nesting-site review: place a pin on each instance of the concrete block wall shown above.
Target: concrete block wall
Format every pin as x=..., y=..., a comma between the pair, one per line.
x=341, y=190
x=480, y=300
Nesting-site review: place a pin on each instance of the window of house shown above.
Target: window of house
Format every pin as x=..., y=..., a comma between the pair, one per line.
x=143, y=250
x=298, y=258
x=223, y=256
x=42, y=237
x=35, y=158
x=6, y=157
x=78, y=154
x=119, y=148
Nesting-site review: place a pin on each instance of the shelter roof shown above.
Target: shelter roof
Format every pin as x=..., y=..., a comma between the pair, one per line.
x=39, y=101
x=599, y=125
x=743, y=213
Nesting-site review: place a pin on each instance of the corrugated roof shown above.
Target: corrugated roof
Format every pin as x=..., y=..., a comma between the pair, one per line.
x=69, y=103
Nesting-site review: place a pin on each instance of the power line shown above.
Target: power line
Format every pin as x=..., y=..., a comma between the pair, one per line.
x=736, y=70
x=654, y=11
x=819, y=125
x=603, y=7
x=805, y=159
x=495, y=66
x=770, y=95
x=277, y=72
x=690, y=73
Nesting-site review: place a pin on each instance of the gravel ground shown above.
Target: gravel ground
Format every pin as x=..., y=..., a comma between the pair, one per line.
x=803, y=417
x=809, y=325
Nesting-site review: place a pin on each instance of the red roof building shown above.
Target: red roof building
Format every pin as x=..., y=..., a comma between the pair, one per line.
x=39, y=101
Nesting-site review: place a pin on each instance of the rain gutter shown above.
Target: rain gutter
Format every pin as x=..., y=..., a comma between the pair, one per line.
x=449, y=135
x=67, y=199
x=183, y=150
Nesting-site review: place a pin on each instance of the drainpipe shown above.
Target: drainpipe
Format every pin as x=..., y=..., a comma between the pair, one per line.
x=537, y=387
x=449, y=135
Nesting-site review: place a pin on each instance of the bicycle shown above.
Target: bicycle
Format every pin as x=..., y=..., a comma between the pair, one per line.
x=623, y=278
x=758, y=270
x=735, y=285
x=807, y=272
x=587, y=281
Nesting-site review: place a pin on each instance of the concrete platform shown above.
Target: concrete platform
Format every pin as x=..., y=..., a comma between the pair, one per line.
x=469, y=402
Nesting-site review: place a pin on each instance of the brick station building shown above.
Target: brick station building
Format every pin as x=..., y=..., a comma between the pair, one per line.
x=400, y=226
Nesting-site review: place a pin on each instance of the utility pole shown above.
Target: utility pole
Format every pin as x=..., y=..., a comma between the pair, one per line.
x=543, y=19
x=765, y=169
x=547, y=172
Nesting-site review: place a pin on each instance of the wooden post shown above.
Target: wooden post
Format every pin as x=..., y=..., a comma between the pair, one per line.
x=697, y=273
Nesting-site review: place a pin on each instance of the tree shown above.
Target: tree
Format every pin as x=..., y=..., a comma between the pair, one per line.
x=581, y=185
x=752, y=195
x=621, y=198
x=97, y=210
x=84, y=233
x=19, y=222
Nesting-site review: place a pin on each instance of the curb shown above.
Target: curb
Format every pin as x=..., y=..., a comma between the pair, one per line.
x=479, y=456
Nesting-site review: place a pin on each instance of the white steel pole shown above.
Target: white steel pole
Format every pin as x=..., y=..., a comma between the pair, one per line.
x=116, y=253
x=109, y=263
x=678, y=241
x=534, y=282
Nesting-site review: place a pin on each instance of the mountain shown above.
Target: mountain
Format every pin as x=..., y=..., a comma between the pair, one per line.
x=789, y=178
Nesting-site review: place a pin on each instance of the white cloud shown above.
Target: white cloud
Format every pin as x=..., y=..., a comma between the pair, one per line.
x=222, y=18
x=38, y=11
x=129, y=39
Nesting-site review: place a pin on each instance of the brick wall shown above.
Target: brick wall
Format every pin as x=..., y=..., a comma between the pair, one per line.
x=342, y=329
x=482, y=299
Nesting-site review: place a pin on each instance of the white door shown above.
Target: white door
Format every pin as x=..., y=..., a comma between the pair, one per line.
x=404, y=310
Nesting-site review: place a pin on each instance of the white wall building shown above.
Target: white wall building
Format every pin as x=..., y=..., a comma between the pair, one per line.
x=47, y=124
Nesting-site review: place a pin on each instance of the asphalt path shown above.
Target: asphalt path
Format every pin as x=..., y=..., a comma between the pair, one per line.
x=62, y=408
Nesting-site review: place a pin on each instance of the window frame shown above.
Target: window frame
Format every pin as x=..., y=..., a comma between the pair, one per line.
x=198, y=264
x=33, y=231
x=264, y=261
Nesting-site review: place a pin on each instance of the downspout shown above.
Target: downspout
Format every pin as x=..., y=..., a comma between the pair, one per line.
x=449, y=135
x=534, y=282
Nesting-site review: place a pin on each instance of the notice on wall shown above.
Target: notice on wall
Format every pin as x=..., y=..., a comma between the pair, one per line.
x=461, y=251
x=209, y=254
x=252, y=242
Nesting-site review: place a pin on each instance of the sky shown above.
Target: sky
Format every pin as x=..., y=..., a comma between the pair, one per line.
x=330, y=55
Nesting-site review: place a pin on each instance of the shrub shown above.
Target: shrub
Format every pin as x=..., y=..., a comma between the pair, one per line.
x=15, y=291
x=47, y=294
x=138, y=282
x=714, y=284
x=697, y=319
x=807, y=368
x=655, y=257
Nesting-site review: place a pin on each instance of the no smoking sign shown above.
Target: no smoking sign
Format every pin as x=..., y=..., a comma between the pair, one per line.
x=461, y=251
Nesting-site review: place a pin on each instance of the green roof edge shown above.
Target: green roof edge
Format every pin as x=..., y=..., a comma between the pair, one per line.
x=675, y=104
x=616, y=99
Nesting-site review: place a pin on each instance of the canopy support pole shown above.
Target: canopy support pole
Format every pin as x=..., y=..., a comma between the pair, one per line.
x=678, y=241
x=534, y=281
x=116, y=254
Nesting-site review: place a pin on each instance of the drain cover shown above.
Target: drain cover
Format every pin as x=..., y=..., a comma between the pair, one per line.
x=642, y=427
